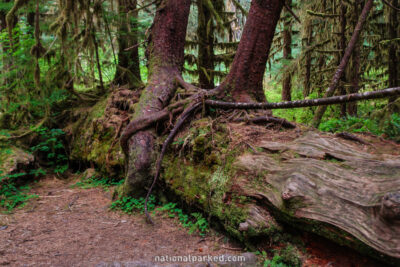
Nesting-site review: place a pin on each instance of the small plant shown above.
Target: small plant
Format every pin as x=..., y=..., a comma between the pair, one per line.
x=11, y=195
x=130, y=204
x=275, y=262
x=52, y=148
x=93, y=181
x=194, y=222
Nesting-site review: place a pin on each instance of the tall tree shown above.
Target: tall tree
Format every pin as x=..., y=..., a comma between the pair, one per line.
x=128, y=68
x=287, y=53
x=394, y=54
x=245, y=78
x=166, y=54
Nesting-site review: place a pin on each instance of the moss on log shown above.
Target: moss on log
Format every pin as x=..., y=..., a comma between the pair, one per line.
x=250, y=179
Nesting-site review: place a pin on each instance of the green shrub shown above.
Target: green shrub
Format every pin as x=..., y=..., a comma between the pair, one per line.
x=11, y=195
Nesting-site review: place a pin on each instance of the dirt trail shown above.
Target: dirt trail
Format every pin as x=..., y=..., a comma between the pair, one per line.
x=73, y=227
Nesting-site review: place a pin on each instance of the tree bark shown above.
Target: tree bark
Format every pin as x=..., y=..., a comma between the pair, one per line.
x=287, y=53
x=393, y=26
x=343, y=41
x=245, y=78
x=205, y=33
x=166, y=57
x=354, y=72
x=128, y=68
x=336, y=78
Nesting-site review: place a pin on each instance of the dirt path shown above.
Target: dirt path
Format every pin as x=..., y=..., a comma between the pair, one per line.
x=73, y=227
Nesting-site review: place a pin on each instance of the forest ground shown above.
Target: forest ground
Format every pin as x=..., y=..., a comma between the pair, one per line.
x=71, y=226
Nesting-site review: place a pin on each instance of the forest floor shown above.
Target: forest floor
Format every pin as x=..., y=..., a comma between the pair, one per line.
x=70, y=226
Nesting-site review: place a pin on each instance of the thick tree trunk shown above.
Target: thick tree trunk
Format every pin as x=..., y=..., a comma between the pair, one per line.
x=205, y=33
x=128, y=68
x=349, y=49
x=166, y=56
x=245, y=78
x=394, y=54
x=287, y=54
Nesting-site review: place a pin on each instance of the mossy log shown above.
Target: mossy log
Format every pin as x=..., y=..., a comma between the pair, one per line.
x=250, y=179
x=340, y=189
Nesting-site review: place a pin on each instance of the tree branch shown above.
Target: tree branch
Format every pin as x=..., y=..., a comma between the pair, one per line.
x=306, y=103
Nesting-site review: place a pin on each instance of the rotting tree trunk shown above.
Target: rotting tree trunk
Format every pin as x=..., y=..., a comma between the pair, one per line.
x=166, y=57
x=245, y=77
x=128, y=68
x=349, y=49
x=287, y=53
x=393, y=25
x=205, y=33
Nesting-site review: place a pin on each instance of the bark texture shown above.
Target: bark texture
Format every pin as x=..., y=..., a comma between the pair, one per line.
x=245, y=78
x=205, y=33
x=166, y=54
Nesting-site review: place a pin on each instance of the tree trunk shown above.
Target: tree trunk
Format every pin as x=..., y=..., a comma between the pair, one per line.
x=128, y=68
x=342, y=45
x=308, y=42
x=166, y=57
x=245, y=78
x=349, y=49
x=393, y=26
x=354, y=71
x=287, y=53
x=205, y=33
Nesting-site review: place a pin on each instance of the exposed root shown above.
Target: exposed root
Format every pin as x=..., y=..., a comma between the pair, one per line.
x=169, y=139
x=199, y=99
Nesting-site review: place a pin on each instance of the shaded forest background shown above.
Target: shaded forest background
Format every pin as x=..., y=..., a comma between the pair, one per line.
x=55, y=53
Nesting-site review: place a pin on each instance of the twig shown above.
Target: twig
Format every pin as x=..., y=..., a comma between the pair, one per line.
x=291, y=11
x=390, y=5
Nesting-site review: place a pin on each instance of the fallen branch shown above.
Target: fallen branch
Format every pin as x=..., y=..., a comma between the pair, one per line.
x=390, y=5
x=306, y=103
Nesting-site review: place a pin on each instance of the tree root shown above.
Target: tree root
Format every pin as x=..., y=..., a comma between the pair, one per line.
x=199, y=99
x=166, y=143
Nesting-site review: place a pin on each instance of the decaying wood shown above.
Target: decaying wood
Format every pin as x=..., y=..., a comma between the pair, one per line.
x=268, y=119
x=331, y=183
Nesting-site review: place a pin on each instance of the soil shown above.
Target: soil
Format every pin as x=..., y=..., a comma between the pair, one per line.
x=74, y=227
x=70, y=226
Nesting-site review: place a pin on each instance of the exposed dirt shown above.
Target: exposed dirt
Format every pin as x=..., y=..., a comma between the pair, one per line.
x=74, y=227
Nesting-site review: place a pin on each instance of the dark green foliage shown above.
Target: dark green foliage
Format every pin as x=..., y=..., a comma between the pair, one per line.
x=93, y=181
x=51, y=149
x=12, y=195
x=390, y=127
x=194, y=222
